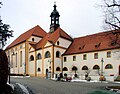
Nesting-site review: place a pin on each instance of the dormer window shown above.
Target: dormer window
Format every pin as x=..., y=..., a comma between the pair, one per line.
x=80, y=48
x=97, y=45
x=113, y=43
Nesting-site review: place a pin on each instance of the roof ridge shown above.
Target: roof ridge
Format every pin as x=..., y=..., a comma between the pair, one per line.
x=102, y=33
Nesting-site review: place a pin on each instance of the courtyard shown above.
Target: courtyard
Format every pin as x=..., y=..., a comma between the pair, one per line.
x=40, y=85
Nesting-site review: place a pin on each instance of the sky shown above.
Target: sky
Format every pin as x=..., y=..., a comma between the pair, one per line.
x=77, y=17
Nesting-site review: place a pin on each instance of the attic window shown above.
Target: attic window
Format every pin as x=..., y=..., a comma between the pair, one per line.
x=97, y=45
x=113, y=43
x=58, y=42
x=80, y=48
x=33, y=39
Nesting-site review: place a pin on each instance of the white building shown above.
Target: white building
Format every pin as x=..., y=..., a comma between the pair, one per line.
x=37, y=52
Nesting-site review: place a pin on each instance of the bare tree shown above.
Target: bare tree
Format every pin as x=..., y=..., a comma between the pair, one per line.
x=112, y=14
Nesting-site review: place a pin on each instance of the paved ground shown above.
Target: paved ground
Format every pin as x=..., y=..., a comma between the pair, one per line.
x=44, y=86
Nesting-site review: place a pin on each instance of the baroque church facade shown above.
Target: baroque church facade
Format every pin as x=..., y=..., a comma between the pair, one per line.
x=38, y=53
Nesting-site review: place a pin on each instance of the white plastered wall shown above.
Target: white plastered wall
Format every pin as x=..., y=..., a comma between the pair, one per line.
x=90, y=62
x=36, y=39
x=17, y=69
x=63, y=42
x=39, y=62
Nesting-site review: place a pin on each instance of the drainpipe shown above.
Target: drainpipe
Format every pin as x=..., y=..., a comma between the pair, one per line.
x=53, y=61
x=35, y=64
x=62, y=64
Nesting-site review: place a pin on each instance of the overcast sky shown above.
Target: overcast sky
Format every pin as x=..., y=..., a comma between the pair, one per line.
x=77, y=17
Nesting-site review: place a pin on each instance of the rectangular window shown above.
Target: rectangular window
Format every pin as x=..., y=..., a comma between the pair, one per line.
x=20, y=58
x=109, y=54
x=84, y=57
x=65, y=59
x=95, y=55
x=74, y=58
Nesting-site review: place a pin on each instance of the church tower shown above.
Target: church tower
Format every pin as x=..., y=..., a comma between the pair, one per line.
x=54, y=19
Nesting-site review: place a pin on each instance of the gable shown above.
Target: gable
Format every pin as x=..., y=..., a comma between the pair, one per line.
x=36, y=31
x=63, y=42
x=34, y=39
x=48, y=44
x=53, y=38
x=31, y=49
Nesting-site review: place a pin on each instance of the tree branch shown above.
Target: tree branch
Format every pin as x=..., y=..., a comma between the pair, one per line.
x=112, y=24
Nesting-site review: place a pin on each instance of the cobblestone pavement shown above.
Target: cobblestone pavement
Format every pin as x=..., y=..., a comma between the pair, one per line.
x=45, y=86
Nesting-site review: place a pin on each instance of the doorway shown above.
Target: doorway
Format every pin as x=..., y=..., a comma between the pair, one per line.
x=46, y=73
x=119, y=69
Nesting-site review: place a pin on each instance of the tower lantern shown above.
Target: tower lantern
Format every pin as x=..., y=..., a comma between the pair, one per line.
x=54, y=19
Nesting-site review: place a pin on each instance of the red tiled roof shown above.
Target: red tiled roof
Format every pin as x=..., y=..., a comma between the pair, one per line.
x=35, y=31
x=53, y=37
x=33, y=44
x=95, y=42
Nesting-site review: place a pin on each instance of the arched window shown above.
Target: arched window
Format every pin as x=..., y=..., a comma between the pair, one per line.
x=39, y=69
x=84, y=68
x=58, y=54
x=58, y=42
x=58, y=69
x=74, y=68
x=65, y=69
x=108, y=66
x=39, y=56
x=47, y=54
x=96, y=67
x=31, y=58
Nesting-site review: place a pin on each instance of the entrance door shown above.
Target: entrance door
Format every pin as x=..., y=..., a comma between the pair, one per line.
x=46, y=72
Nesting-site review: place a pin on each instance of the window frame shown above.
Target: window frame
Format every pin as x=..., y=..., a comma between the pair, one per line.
x=95, y=55
x=20, y=58
x=109, y=54
x=16, y=60
x=58, y=54
x=58, y=69
x=74, y=68
x=31, y=58
x=109, y=66
x=65, y=68
x=65, y=59
x=84, y=56
x=74, y=58
x=84, y=67
x=47, y=54
x=39, y=69
x=96, y=67
x=39, y=56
